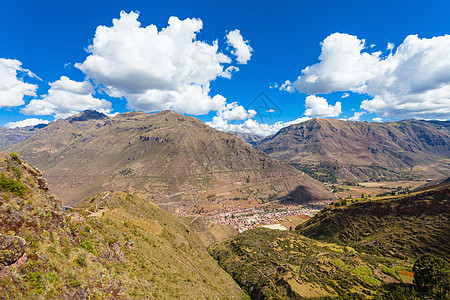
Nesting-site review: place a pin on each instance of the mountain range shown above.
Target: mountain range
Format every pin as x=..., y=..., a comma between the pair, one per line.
x=330, y=149
x=176, y=160
x=16, y=135
x=123, y=174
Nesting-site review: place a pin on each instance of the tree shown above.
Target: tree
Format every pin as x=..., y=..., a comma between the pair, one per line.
x=432, y=276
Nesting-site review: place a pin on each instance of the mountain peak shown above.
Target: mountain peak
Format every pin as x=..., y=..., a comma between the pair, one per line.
x=87, y=115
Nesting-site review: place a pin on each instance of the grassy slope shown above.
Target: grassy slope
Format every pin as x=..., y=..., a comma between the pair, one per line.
x=113, y=245
x=398, y=226
x=272, y=264
x=355, y=250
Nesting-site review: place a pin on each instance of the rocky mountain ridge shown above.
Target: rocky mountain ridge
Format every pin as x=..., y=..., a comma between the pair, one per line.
x=332, y=149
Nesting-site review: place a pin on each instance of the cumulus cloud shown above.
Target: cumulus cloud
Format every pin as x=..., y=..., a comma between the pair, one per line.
x=234, y=111
x=377, y=119
x=66, y=97
x=342, y=67
x=242, y=49
x=319, y=107
x=415, y=82
x=390, y=47
x=252, y=126
x=26, y=122
x=287, y=86
x=356, y=116
x=158, y=69
x=411, y=82
x=12, y=87
x=345, y=95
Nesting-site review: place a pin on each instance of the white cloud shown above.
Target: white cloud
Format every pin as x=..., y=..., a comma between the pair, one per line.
x=356, y=116
x=26, y=122
x=65, y=98
x=229, y=71
x=377, y=119
x=390, y=47
x=345, y=95
x=415, y=82
x=242, y=49
x=412, y=82
x=342, y=67
x=319, y=107
x=252, y=126
x=157, y=69
x=12, y=88
x=234, y=111
x=287, y=86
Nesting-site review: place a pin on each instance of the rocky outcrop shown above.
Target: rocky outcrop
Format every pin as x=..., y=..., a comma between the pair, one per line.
x=11, y=249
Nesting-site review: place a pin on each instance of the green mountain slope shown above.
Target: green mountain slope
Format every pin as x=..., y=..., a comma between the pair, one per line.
x=178, y=160
x=272, y=264
x=395, y=226
x=112, y=246
x=361, y=249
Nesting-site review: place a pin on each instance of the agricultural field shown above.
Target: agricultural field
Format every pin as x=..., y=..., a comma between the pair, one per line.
x=372, y=188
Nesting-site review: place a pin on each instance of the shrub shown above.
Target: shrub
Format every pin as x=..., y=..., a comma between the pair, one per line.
x=432, y=276
x=15, y=157
x=11, y=185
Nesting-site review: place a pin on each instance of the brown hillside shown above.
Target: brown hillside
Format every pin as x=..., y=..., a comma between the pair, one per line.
x=9, y=137
x=357, y=151
x=177, y=160
x=112, y=246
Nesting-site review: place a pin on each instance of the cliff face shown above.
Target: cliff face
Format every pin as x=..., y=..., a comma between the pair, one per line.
x=176, y=160
x=364, y=151
x=113, y=245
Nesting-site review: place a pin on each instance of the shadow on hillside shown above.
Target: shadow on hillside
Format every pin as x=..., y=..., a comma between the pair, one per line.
x=301, y=195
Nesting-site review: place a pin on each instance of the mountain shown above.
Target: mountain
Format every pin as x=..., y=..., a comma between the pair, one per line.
x=86, y=116
x=396, y=226
x=252, y=139
x=330, y=149
x=114, y=245
x=178, y=161
x=9, y=137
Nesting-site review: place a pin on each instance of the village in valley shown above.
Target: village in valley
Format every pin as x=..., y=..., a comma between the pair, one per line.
x=276, y=215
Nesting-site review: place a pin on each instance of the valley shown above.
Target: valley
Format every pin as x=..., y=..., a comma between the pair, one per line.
x=177, y=161
x=162, y=206
x=224, y=150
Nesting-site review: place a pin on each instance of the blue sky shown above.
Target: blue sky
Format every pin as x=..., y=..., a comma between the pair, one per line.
x=340, y=51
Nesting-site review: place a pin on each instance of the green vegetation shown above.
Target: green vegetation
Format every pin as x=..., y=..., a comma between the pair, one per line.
x=432, y=276
x=113, y=246
x=358, y=249
x=285, y=265
x=11, y=185
x=396, y=226
x=15, y=157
